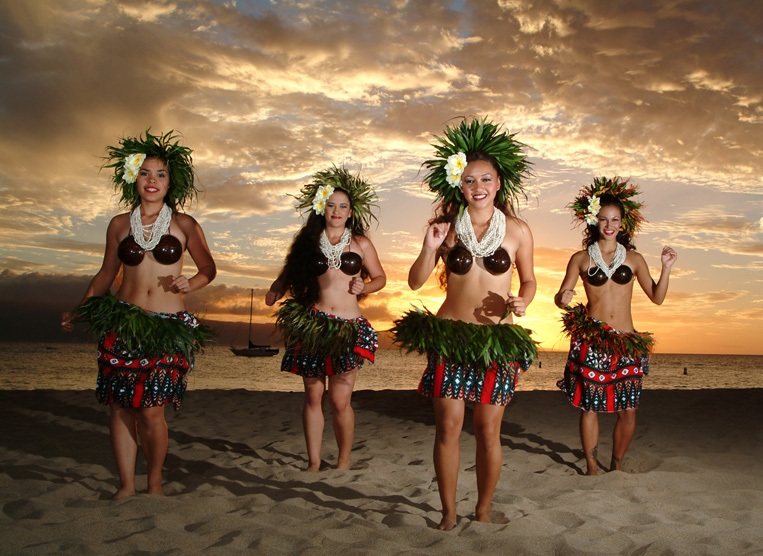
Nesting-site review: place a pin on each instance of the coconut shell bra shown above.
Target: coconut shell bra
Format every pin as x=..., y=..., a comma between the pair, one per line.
x=623, y=275
x=167, y=251
x=460, y=260
x=351, y=263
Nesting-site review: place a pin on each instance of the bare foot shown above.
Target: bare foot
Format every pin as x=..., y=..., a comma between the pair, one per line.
x=123, y=493
x=343, y=464
x=616, y=464
x=448, y=522
x=499, y=518
x=156, y=491
x=489, y=516
x=592, y=461
x=313, y=467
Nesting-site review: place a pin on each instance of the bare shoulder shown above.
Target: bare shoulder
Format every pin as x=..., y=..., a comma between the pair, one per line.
x=185, y=221
x=579, y=258
x=363, y=242
x=120, y=218
x=120, y=222
x=518, y=224
x=633, y=258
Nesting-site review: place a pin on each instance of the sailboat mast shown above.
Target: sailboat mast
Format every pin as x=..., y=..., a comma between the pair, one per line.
x=251, y=307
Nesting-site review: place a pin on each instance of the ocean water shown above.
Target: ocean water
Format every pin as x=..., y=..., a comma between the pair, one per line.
x=28, y=366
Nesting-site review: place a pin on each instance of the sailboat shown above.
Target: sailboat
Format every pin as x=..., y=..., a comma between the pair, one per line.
x=253, y=350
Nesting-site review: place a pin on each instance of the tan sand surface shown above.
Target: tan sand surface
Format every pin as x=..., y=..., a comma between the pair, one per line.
x=694, y=483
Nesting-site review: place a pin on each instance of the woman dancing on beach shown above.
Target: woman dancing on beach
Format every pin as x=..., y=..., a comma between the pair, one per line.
x=331, y=264
x=608, y=358
x=474, y=352
x=147, y=339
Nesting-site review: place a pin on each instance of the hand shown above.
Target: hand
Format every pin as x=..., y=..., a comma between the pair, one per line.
x=272, y=296
x=516, y=305
x=66, y=322
x=436, y=234
x=564, y=297
x=181, y=284
x=669, y=256
x=357, y=285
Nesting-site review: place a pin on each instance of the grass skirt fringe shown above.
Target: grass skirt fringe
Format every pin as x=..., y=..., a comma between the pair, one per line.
x=605, y=368
x=143, y=357
x=317, y=344
x=466, y=361
x=463, y=343
x=143, y=332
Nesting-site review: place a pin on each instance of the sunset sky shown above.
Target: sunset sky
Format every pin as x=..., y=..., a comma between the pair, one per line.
x=668, y=93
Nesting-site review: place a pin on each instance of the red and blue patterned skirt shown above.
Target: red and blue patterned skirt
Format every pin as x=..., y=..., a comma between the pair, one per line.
x=311, y=364
x=601, y=378
x=131, y=380
x=446, y=379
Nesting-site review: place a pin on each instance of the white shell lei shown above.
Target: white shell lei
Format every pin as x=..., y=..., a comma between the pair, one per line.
x=595, y=253
x=492, y=239
x=334, y=252
x=148, y=236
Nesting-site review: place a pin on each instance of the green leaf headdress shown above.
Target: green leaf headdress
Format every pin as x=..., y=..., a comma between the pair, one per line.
x=586, y=204
x=444, y=177
x=127, y=158
x=313, y=195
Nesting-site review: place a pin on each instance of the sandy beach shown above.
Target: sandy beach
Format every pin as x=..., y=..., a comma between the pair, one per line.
x=694, y=483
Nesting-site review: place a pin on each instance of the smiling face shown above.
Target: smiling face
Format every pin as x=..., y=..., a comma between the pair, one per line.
x=338, y=209
x=480, y=183
x=153, y=180
x=609, y=221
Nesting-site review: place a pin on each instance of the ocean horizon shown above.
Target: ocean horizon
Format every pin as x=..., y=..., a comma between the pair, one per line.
x=72, y=366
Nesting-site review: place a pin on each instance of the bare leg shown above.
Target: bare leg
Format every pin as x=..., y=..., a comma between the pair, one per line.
x=449, y=419
x=154, y=439
x=487, y=433
x=312, y=420
x=342, y=415
x=124, y=445
x=625, y=427
x=589, y=437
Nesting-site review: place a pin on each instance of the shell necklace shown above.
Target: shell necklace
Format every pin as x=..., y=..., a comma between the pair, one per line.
x=148, y=236
x=492, y=239
x=617, y=259
x=334, y=252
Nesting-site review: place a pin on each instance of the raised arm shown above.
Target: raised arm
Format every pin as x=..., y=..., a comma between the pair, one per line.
x=276, y=291
x=525, y=273
x=427, y=259
x=377, y=277
x=656, y=292
x=567, y=290
x=197, y=247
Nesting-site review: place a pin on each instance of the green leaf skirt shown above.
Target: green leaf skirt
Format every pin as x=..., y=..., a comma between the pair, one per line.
x=605, y=368
x=318, y=333
x=578, y=325
x=140, y=332
x=478, y=345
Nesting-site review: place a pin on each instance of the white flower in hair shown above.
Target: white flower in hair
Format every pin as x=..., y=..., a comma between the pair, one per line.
x=321, y=196
x=454, y=168
x=594, y=206
x=133, y=162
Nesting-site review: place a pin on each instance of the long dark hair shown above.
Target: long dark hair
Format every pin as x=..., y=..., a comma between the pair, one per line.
x=299, y=277
x=591, y=233
x=448, y=212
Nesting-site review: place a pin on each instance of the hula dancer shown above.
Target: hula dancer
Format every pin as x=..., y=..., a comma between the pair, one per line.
x=608, y=358
x=147, y=339
x=330, y=266
x=474, y=351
